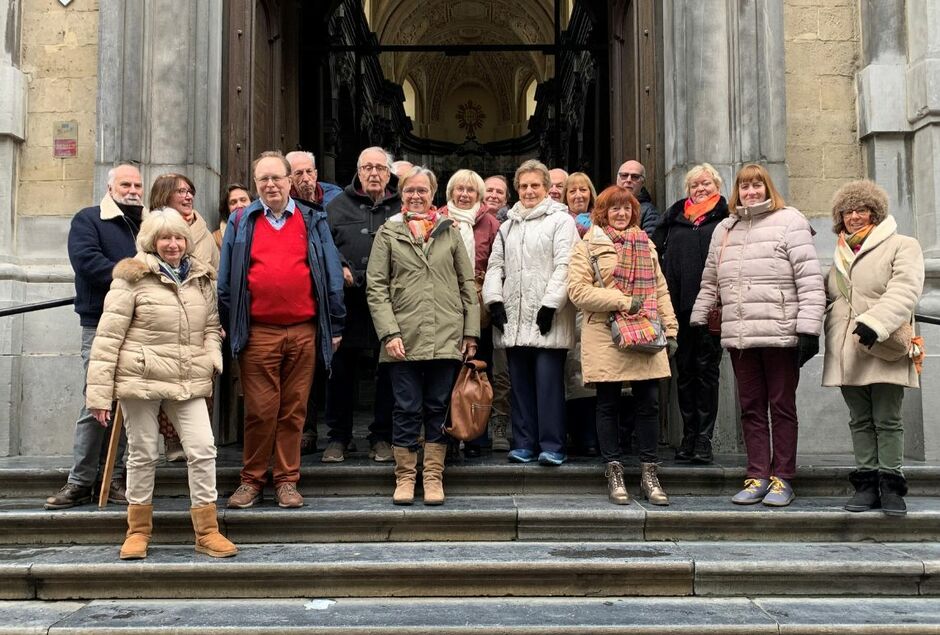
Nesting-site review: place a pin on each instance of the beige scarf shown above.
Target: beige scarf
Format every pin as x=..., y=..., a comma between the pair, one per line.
x=465, y=220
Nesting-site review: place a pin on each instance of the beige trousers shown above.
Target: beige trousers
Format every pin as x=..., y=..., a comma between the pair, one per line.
x=192, y=423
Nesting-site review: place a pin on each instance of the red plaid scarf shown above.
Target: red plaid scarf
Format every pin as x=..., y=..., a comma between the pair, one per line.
x=635, y=275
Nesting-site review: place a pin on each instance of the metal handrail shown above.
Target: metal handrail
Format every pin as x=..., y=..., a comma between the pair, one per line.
x=36, y=306
x=926, y=319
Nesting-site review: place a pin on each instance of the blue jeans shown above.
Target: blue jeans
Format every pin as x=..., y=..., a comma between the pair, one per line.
x=90, y=445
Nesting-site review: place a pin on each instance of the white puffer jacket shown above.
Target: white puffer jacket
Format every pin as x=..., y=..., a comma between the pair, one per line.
x=769, y=279
x=528, y=269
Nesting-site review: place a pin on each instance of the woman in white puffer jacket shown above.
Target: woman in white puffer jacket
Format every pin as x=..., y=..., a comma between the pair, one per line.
x=525, y=290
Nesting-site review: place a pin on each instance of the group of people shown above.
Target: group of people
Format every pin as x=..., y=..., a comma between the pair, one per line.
x=309, y=275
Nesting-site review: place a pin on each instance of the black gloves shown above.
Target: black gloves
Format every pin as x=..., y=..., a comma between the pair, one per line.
x=866, y=336
x=498, y=315
x=807, y=347
x=544, y=319
x=671, y=347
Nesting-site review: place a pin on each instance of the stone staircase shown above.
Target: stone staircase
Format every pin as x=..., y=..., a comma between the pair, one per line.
x=516, y=549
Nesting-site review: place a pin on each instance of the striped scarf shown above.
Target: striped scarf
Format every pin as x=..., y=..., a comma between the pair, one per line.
x=635, y=275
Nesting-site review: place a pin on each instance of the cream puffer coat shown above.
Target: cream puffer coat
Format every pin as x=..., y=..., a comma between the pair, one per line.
x=601, y=359
x=155, y=340
x=769, y=279
x=528, y=269
x=886, y=280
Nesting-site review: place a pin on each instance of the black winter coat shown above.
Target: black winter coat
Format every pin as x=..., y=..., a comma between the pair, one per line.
x=682, y=248
x=354, y=218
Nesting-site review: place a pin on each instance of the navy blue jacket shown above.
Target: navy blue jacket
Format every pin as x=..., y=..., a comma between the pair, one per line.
x=99, y=238
x=325, y=271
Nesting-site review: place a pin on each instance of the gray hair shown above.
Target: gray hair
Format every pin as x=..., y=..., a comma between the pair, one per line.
x=114, y=170
x=163, y=222
x=418, y=170
x=465, y=177
x=302, y=153
x=533, y=165
x=389, y=159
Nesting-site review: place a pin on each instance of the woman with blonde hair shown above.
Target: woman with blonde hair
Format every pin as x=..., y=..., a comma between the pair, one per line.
x=159, y=345
x=634, y=291
x=874, y=284
x=579, y=195
x=176, y=191
x=682, y=239
x=762, y=268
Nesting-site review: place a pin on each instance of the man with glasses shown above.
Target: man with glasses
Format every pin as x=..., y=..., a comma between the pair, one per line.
x=632, y=176
x=355, y=216
x=280, y=299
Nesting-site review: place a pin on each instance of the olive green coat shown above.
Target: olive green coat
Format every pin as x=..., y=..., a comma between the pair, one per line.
x=424, y=293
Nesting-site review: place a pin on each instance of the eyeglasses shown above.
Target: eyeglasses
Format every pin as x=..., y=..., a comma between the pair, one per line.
x=420, y=191
x=627, y=176
x=368, y=167
x=864, y=213
x=262, y=180
x=183, y=191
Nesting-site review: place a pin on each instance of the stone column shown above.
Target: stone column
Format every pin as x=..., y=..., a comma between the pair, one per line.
x=159, y=96
x=724, y=94
x=899, y=127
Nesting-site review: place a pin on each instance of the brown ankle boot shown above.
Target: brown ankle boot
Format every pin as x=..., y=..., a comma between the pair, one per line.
x=616, y=490
x=208, y=539
x=434, y=455
x=139, y=529
x=406, y=472
x=649, y=483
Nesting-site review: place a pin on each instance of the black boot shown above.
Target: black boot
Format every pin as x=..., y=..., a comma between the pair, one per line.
x=893, y=490
x=866, y=491
x=686, y=448
x=702, y=453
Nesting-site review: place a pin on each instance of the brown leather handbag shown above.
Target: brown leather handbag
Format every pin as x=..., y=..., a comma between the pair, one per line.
x=471, y=401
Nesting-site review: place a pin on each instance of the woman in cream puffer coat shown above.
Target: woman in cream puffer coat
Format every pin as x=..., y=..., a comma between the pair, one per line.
x=158, y=344
x=762, y=267
x=525, y=290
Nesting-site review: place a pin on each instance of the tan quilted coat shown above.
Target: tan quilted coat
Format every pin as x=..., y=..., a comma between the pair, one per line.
x=155, y=340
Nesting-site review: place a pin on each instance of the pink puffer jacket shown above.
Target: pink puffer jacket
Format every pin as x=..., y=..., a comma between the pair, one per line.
x=769, y=279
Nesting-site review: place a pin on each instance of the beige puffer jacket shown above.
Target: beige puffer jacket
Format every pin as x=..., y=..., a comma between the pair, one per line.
x=769, y=279
x=204, y=247
x=601, y=359
x=155, y=340
x=887, y=278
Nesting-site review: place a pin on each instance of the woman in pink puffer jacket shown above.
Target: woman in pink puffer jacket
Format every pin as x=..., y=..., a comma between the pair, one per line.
x=762, y=268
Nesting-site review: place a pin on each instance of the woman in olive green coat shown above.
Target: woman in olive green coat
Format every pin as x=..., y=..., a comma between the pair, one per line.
x=423, y=301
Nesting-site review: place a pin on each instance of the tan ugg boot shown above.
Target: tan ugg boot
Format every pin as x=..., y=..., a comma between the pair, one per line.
x=208, y=539
x=406, y=472
x=434, y=455
x=139, y=529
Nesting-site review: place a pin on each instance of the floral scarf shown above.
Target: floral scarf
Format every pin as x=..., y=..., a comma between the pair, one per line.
x=635, y=275
x=420, y=224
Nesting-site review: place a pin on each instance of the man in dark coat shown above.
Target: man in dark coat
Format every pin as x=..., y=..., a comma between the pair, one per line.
x=632, y=176
x=99, y=237
x=355, y=216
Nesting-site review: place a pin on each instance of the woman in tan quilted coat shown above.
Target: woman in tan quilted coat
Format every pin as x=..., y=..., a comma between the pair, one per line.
x=158, y=344
x=762, y=268
x=874, y=284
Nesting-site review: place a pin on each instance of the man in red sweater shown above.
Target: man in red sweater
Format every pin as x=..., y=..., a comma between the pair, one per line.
x=281, y=299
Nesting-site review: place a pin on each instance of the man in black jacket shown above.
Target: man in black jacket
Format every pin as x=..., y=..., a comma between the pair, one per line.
x=632, y=176
x=355, y=216
x=99, y=237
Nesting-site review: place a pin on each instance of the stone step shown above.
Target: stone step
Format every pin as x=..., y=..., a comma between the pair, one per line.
x=33, y=477
x=472, y=616
x=587, y=517
x=476, y=569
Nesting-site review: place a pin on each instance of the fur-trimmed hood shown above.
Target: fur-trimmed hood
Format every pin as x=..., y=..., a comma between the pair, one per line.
x=135, y=269
x=864, y=194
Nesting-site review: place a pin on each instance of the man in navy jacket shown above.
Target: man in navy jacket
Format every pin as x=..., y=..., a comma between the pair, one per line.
x=99, y=237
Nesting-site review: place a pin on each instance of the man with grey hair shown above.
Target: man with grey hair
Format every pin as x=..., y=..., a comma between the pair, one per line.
x=355, y=216
x=632, y=176
x=557, y=190
x=99, y=237
x=304, y=184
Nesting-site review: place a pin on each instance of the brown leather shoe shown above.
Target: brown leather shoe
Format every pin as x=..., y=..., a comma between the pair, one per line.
x=288, y=496
x=69, y=496
x=117, y=493
x=245, y=496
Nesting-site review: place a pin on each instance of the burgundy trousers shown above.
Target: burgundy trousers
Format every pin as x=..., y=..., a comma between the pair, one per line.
x=767, y=379
x=276, y=373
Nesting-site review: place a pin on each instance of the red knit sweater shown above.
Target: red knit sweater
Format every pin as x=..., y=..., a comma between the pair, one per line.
x=279, y=277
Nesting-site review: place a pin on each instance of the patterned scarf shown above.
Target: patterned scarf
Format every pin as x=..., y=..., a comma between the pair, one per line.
x=695, y=212
x=176, y=274
x=634, y=275
x=847, y=247
x=420, y=224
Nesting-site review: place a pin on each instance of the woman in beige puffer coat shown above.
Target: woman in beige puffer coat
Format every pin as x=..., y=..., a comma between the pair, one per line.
x=762, y=268
x=158, y=344
x=874, y=284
